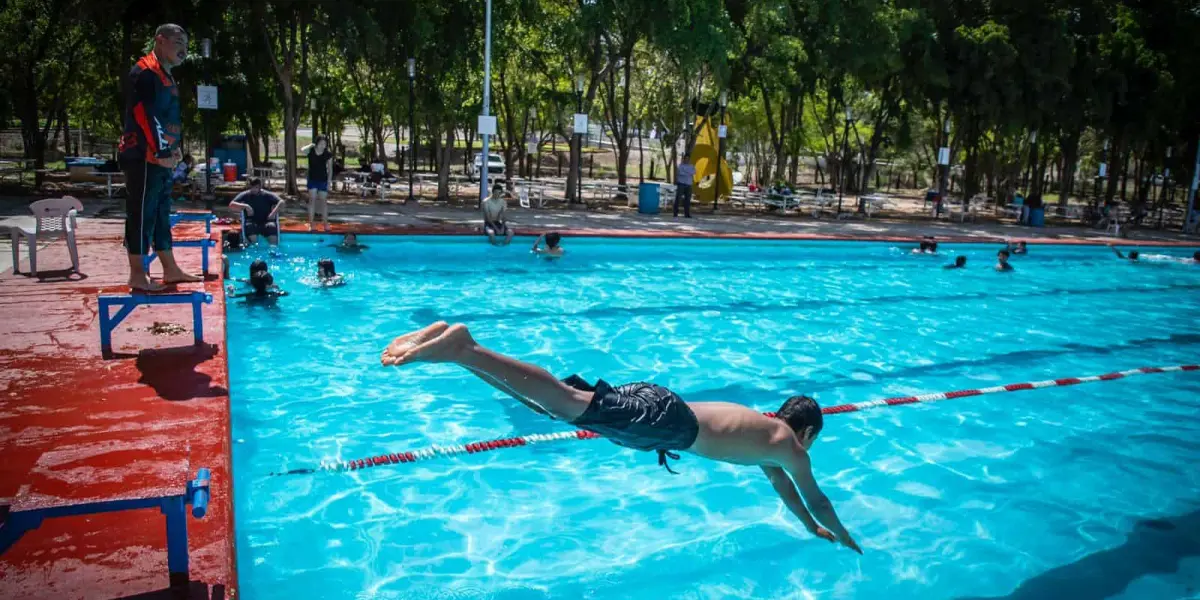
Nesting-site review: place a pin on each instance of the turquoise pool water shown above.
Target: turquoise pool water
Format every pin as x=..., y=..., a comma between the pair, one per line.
x=1082, y=492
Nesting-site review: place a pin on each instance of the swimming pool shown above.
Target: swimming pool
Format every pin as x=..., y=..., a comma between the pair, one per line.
x=1080, y=492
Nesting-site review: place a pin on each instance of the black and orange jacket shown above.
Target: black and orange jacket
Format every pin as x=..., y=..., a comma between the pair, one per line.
x=152, y=125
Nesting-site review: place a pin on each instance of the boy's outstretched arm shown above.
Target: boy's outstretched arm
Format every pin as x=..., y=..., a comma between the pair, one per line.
x=796, y=463
x=791, y=498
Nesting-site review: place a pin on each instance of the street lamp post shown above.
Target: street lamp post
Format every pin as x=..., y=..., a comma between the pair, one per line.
x=845, y=160
x=487, y=96
x=1102, y=172
x=944, y=167
x=206, y=52
x=313, y=105
x=579, y=83
x=721, y=133
x=412, y=129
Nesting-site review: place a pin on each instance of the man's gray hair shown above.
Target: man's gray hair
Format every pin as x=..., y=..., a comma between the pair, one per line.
x=168, y=29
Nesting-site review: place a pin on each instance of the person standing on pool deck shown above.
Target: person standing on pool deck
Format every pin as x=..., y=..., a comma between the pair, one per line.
x=644, y=416
x=320, y=167
x=148, y=152
x=261, y=208
x=685, y=176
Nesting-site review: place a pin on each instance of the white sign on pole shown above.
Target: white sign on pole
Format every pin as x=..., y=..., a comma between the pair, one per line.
x=206, y=97
x=1103, y=169
x=581, y=123
x=531, y=147
x=487, y=125
x=722, y=131
x=944, y=156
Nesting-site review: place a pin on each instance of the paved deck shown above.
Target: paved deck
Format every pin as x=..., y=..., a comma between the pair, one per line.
x=114, y=420
x=118, y=416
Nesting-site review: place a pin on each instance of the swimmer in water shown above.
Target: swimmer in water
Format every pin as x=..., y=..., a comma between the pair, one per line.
x=552, y=249
x=258, y=266
x=1002, y=261
x=350, y=244
x=326, y=275
x=644, y=416
x=1133, y=255
x=262, y=288
x=1017, y=248
x=928, y=246
x=960, y=262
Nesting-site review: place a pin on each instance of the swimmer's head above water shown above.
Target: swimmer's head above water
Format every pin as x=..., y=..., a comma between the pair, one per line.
x=803, y=415
x=552, y=239
x=325, y=268
x=350, y=239
x=261, y=281
x=258, y=266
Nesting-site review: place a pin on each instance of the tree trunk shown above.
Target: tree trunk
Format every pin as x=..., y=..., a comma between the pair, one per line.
x=443, y=168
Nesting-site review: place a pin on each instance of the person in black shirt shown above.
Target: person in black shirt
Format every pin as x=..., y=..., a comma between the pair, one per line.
x=320, y=167
x=262, y=209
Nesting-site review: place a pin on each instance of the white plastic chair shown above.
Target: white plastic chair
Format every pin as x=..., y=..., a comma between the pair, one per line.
x=55, y=219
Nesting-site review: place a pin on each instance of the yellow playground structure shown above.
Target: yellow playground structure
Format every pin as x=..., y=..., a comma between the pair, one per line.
x=704, y=156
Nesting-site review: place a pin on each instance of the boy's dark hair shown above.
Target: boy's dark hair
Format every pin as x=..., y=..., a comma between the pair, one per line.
x=325, y=267
x=960, y=261
x=1004, y=253
x=1196, y=255
x=800, y=412
x=552, y=239
x=258, y=266
x=254, y=181
x=231, y=240
x=1133, y=254
x=260, y=281
x=319, y=139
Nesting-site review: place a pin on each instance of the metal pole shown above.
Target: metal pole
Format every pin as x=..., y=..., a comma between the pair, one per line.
x=579, y=153
x=944, y=166
x=845, y=159
x=1188, y=218
x=720, y=150
x=412, y=129
x=487, y=96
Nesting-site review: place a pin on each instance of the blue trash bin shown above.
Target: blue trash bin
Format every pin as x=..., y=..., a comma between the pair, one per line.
x=1037, y=217
x=648, y=198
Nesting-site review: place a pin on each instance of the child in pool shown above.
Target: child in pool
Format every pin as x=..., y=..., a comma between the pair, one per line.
x=350, y=244
x=262, y=288
x=326, y=275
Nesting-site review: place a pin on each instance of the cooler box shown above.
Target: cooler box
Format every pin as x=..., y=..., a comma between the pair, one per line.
x=648, y=198
x=231, y=172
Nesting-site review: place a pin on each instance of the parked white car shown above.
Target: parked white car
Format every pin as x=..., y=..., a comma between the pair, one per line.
x=495, y=165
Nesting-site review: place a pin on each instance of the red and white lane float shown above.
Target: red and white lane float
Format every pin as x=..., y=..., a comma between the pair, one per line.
x=431, y=452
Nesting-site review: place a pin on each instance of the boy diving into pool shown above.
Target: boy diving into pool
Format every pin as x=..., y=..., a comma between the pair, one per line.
x=644, y=416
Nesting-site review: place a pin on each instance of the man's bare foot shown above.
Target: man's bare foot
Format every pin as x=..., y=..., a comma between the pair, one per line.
x=435, y=343
x=311, y=228
x=143, y=284
x=327, y=228
x=179, y=277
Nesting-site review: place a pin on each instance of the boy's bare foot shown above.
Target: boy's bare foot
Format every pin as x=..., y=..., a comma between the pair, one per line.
x=179, y=277
x=311, y=228
x=143, y=284
x=435, y=343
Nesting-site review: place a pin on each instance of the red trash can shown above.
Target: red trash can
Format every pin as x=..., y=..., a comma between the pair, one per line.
x=230, y=172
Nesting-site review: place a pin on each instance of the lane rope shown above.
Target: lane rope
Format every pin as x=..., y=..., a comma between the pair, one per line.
x=432, y=452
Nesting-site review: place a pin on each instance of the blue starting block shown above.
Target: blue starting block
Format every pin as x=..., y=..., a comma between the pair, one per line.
x=28, y=510
x=127, y=302
x=204, y=244
x=179, y=217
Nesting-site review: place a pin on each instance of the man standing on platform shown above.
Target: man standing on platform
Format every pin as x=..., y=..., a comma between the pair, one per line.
x=148, y=153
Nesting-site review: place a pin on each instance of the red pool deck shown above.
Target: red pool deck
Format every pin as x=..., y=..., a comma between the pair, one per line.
x=111, y=425
x=160, y=400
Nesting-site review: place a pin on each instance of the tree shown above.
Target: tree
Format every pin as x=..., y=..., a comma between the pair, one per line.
x=285, y=28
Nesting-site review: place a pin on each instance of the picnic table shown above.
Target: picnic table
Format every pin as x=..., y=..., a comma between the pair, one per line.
x=16, y=166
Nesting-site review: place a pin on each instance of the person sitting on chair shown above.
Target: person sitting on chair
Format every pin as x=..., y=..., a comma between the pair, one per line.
x=261, y=208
